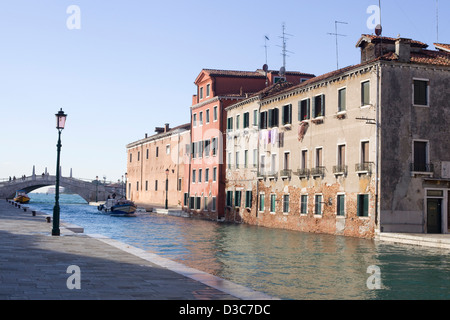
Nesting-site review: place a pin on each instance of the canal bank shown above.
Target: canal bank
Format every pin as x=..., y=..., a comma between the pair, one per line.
x=35, y=265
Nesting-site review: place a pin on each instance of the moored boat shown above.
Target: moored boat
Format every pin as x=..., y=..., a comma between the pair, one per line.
x=119, y=207
x=21, y=197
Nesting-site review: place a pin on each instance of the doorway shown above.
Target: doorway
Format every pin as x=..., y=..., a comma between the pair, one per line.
x=434, y=215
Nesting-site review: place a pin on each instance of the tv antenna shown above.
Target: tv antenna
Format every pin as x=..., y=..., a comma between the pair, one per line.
x=284, y=51
x=437, y=21
x=336, y=34
x=266, y=38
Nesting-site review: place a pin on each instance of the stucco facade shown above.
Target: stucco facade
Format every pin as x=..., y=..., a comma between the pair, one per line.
x=322, y=146
x=153, y=160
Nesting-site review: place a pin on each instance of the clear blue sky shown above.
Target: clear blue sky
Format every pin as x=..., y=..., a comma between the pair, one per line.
x=132, y=65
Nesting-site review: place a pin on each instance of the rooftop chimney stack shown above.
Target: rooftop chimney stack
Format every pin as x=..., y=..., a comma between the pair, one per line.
x=403, y=49
x=166, y=127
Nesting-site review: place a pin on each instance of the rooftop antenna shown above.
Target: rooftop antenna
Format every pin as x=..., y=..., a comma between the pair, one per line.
x=336, y=34
x=437, y=21
x=284, y=51
x=265, y=45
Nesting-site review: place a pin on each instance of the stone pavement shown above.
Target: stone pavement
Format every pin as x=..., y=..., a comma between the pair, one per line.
x=34, y=265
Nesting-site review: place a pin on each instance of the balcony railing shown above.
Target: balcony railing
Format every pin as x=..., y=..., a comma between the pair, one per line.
x=286, y=173
x=364, y=167
x=340, y=169
x=421, y=167
x=318, y=171
x=303, y=173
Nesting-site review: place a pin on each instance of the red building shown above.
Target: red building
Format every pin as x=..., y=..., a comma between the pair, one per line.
x=204, y=184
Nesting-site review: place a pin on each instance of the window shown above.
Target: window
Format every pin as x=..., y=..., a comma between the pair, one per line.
x=273, y=164
x=214, y=174
x=198, y=201
x=200, y=175
x=229, y=199
x=420, y=88
x=237, y=198
x=200, y=118
x=319, y=106
x=318, y=157
x=214, y=146
x=157, y=151
x=146, y=185
x=365, y=152
x=207, y=144
x=273, y=201
x=363, y=205
x=340, y=205
x=186, y=199
x=206, y=174
x=139, y=156
x=194, y=119
x=246, y=120
x=168, y=149
x=304, y=204
x=287, y=114
x=365, y=93
x=229, y=124
x=261, y=202
x=237, y=159
x=205, y=203
x=262, y=164
x=303, y=109
x=137, y=186
x=273, y=117
x=191, y=202
x=304, y=159
x=208, y=90
x=156, y=185
x=207, y=116
x=420, y=159
x=318, y=204
x=213, y=204
x=342, y=104
x=263, y=120
x=193, y=176
x=287, y=164
x=248, y=199
x=131, y=157
x=255, y=157
x=245, y=158
x=255, y=117
x=201, y=93
x=285, y=203
x=215, y=113
x=147, y=154
x=341, y=158
x=179, y=184
x=238, y=121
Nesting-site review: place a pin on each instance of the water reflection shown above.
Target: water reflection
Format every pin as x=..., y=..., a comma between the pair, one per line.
x=282, y=263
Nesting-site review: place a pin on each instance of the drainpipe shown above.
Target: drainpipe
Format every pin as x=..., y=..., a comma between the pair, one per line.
x=257, y=157
x=377, y=143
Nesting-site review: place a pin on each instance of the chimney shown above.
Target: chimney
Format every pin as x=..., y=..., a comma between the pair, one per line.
x=166, y=127
x=146, y=135
x=403, y=49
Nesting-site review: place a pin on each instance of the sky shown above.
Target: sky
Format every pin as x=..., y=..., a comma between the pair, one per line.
x=120, y=68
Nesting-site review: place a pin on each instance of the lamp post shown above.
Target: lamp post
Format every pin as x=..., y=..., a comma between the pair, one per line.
x=167, y=188
x=125, y=185
x=60, y=123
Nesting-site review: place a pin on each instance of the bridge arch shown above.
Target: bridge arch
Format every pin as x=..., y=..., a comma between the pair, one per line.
x=88, y=190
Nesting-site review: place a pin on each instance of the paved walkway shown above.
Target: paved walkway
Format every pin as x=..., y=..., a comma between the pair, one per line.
x=34, y=265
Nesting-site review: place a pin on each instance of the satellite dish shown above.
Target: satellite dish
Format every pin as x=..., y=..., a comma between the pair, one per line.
x=265, y=67
x=378, y=30
x=282, y=71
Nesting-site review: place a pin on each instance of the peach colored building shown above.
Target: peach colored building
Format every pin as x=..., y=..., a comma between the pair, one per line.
x=205, y=172
x=154, y=160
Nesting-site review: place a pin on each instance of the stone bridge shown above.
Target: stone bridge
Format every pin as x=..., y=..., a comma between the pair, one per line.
x=88, y=190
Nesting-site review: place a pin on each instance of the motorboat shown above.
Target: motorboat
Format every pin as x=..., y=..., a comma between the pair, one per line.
x=21, y=197
x=119, y=207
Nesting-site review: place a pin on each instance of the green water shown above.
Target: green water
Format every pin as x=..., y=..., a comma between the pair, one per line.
x=285, y=264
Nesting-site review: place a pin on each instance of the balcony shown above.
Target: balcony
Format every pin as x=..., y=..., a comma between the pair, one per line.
x=364, y=168
x=285, y=174
x=421, y=168
x=340, y=170
x=318, y=172
x=267, y=174
x=303, y=173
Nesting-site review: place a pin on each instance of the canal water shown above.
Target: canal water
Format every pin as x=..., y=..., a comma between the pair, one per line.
x=281, y=263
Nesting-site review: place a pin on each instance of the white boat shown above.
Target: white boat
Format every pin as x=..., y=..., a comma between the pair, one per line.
x=119, y=207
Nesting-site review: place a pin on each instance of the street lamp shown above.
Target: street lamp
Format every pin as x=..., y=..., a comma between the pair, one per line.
x=167, y=188
x=60, y=123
